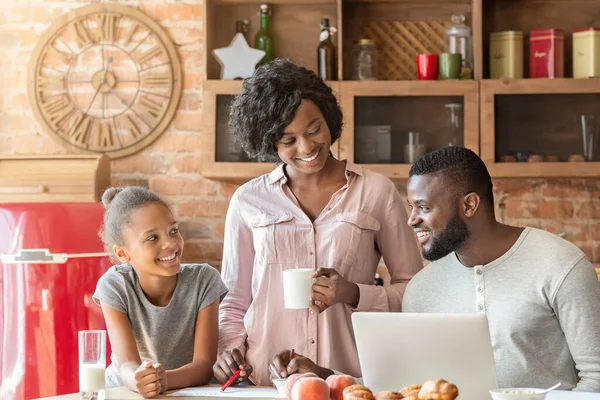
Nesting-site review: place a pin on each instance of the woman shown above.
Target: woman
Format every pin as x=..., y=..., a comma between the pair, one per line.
x=312, y=211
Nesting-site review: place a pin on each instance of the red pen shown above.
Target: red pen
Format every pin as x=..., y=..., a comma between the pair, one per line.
x=235, y=375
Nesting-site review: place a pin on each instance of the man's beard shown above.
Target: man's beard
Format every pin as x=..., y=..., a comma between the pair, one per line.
x=452, y=238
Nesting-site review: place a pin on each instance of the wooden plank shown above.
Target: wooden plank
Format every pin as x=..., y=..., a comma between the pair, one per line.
x=537, y=86
x=545, y=170
x=276, y=2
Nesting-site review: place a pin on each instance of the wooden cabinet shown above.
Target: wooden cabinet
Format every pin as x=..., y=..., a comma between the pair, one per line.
x=406, y=106
x=539, y=116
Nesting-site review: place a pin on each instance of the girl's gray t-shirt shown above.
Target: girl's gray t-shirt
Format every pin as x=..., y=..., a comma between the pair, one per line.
x=162, y=334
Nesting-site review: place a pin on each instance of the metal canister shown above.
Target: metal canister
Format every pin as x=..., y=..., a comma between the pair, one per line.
x=546, y=53
x=586, y=53
x=506, y=55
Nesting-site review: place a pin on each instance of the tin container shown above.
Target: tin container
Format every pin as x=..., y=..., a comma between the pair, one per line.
x=586, y=53
x=506, y=55
x=546, y=53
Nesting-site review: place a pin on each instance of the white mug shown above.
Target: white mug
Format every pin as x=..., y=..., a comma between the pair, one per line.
x=297, y=287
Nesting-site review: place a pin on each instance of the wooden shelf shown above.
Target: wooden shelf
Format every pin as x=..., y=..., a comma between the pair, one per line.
x=218, y=86
x=392, y=171
x=409, y=88
x=275, y=2
x=226, y=86
x=538, y=86
x=544, y=169
x=235, y=172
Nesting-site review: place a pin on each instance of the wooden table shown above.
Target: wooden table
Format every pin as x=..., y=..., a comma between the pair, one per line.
x=122, y=393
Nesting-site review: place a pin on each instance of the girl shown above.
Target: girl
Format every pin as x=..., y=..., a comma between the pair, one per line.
x=161, y=315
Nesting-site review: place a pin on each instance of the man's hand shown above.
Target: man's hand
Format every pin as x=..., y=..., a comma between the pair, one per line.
x=298, y=364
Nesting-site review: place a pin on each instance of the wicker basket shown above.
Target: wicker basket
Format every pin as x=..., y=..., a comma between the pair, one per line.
x=399, y=42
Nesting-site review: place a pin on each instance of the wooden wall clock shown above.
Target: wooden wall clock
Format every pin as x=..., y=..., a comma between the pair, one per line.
x=104, y=78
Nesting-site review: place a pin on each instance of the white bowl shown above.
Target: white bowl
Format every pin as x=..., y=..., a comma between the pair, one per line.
x=518, y=394
x=280, y=385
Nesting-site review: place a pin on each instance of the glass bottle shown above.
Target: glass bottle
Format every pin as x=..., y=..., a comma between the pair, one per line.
x=455, y=124
x=460, y=41
x=326, y=53
x=241, y=26
x=264, y=40
x=364, y=58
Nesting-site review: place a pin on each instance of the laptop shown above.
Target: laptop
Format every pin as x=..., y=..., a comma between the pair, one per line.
x=400, y=349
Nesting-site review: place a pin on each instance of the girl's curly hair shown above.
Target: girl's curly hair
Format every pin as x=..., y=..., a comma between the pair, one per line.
x=268, y=103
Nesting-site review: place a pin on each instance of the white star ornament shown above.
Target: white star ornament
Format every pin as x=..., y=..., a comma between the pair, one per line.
x=238, y=60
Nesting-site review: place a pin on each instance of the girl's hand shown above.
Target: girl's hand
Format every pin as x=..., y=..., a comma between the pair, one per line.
x=146, y=380
x=227, y=363
x=162, y=377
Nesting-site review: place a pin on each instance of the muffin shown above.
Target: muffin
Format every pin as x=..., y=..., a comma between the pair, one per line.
x=438, y=389
x=357, y=392
x=410, y=391
x=389, y=396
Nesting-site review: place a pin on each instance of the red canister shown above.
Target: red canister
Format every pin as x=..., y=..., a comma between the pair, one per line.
x=546, y=53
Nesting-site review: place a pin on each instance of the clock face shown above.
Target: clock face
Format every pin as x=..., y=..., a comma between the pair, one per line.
x=105, y=78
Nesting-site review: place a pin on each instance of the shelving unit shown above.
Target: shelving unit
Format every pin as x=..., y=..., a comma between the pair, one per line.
x=534, y=115
x=407, y=106
x=539, y=116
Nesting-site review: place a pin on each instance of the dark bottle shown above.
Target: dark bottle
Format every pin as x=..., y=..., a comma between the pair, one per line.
x=263, y=40
x=326, y=53
x=241, y=26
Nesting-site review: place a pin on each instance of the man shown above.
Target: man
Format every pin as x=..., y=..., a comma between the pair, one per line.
x=539, y=292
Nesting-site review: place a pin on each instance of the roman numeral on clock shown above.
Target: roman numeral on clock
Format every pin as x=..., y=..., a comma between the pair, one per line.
x=56, y=110
x=81, y=33
x=129, y=35
x=78, y=133
x=105, y=135
x=155, y=81
x=151, y=108
x=106, y=27
x=50, y=83
x=143, y=58
x=129, y=124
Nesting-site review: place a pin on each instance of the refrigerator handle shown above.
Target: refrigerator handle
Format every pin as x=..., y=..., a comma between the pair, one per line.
x=43, y=256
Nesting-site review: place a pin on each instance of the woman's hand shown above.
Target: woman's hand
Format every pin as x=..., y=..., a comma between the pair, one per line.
x=330, y=288
x=146, y=380
x=227, y=363
x=298, y=364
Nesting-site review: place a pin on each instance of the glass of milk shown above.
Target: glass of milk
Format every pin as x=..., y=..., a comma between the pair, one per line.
x=92, y=363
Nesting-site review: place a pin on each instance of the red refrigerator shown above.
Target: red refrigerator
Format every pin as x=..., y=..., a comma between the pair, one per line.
x=50, y=260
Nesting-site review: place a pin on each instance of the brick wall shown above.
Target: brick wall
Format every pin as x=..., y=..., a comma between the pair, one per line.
x=170, y=166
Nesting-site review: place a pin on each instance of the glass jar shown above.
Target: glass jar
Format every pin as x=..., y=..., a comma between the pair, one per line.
x=365, y=60
x=455, y=130
x=461, y=41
